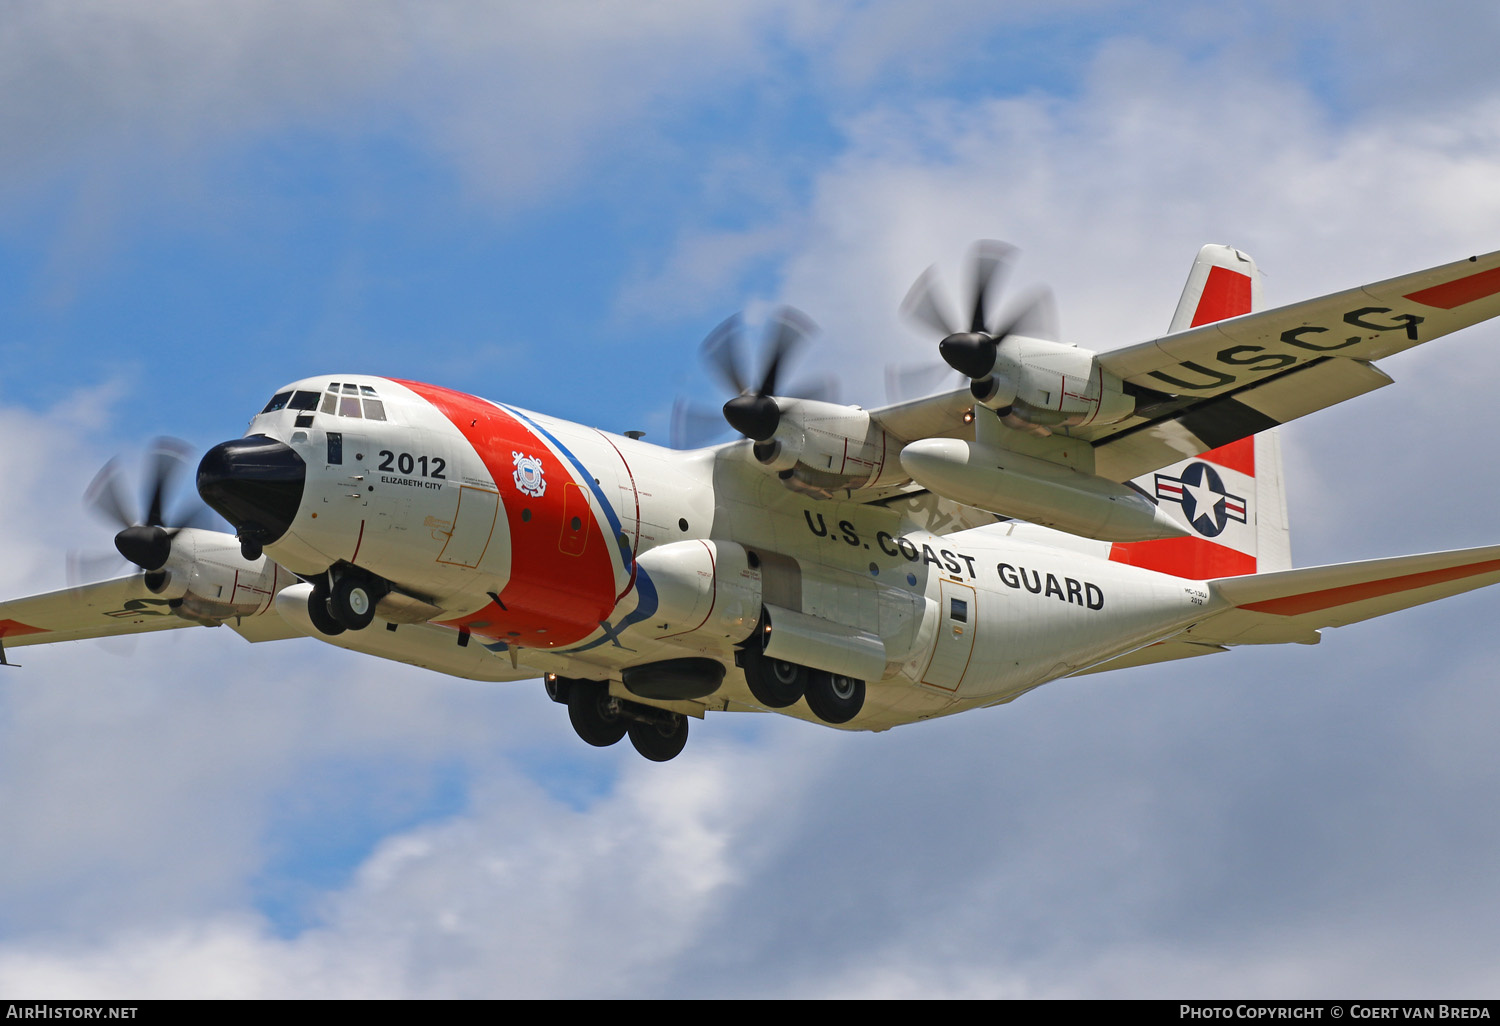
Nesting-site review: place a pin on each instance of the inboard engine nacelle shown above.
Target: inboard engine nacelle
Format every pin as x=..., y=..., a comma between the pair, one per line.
x=1037, y=384
x=207, y=578
x=822, y=448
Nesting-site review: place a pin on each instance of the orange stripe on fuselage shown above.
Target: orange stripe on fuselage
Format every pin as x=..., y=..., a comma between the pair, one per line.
x=554, y=597
x=1313, y=601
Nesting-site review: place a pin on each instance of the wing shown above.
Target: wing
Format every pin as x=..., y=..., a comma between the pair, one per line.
x=119, y=606
x=1210, y=385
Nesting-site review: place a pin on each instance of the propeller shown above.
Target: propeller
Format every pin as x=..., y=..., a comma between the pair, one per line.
x=145, y=541
x=971, y=350
x=753, y=410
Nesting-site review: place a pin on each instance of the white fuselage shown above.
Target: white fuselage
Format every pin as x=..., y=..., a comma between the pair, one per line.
x=563, y=549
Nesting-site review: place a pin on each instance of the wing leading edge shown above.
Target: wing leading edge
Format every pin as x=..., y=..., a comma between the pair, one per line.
x=105, y=609
x=1217, y=382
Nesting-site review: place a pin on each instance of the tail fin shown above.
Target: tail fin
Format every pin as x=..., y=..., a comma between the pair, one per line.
x=1223, y=283
x=1231, y=498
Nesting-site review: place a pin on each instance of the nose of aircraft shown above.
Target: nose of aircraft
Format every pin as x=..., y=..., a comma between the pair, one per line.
x=255, y=483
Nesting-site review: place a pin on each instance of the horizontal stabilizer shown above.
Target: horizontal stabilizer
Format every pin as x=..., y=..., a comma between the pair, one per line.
x=1292, y=605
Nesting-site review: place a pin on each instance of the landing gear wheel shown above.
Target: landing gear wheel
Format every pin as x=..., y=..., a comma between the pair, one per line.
x=595, y=716
x=352, y=601
x=775, y=683
x=834, y=698
x=660, y=742
x=318, y=612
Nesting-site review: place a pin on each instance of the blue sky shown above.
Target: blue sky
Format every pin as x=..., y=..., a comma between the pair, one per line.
x=552, y=206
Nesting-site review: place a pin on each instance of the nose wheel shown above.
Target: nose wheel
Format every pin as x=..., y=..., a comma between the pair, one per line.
x=320, y=615
x=352, y=600
x=348, y=605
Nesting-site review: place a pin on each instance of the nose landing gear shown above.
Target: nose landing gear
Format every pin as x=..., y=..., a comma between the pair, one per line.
x=348, y=605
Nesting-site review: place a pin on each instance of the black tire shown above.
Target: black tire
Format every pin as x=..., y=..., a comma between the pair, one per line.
x=775, y=683
x=319, y=613
x=834, y=698
x=596, y=718
x=660, y=741
x=352, y=601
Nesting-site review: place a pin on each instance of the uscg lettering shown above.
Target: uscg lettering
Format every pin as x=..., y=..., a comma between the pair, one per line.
x=1078, y=593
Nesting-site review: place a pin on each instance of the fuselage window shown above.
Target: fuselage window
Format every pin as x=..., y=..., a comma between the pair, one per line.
x=958, y=610
x=278, y=402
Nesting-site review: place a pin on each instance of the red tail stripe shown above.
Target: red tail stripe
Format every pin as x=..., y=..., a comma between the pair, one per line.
x=1226, y=293
x=1238, y=455
x=1193, y=558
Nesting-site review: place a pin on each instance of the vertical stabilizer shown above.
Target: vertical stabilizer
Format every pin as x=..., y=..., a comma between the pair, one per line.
x=1231, y=499
x=1223, y=283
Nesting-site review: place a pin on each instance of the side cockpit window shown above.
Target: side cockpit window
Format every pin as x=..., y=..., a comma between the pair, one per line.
x=298, y=400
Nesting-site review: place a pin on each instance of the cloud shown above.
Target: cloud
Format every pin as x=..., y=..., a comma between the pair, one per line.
x=289, y=820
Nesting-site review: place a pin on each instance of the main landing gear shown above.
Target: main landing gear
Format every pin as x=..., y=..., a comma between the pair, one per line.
x=602, y=719
x=776, y=684
x=348, y=604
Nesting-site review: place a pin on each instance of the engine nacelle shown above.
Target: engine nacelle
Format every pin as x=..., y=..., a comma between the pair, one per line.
x=824, y=448
x=211, y=580
x=1041, y=385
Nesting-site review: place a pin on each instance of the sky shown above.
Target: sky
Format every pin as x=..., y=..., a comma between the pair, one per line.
x=551, y=205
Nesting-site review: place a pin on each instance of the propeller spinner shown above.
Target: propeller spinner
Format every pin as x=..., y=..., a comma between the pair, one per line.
x=753, y=411
x=147, y=541
x=973, y=351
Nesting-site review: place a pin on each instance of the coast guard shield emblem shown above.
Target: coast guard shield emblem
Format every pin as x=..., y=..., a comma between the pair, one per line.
x=528, y=475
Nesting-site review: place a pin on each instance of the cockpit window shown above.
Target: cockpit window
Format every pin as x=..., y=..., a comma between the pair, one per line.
x=304, y=400
x=346, y=399
x=278, y=402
